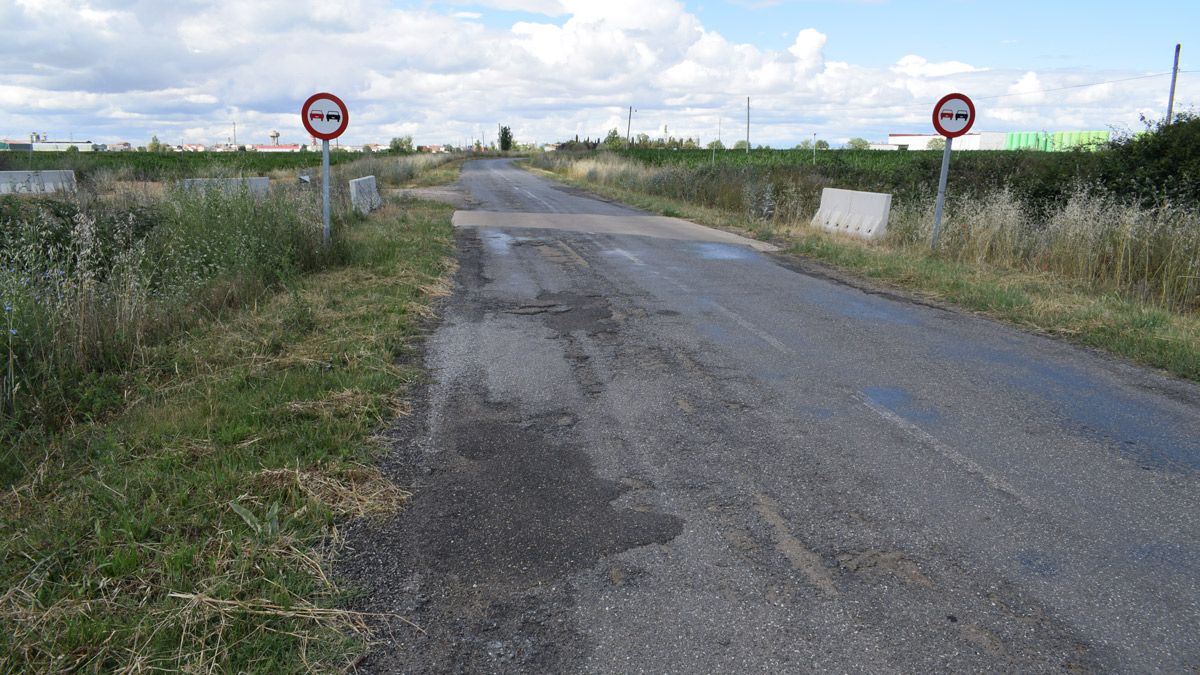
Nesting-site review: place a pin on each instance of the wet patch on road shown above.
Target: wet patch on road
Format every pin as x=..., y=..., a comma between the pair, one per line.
x=711, y=251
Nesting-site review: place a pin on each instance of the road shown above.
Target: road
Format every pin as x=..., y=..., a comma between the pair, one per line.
x=650, y=446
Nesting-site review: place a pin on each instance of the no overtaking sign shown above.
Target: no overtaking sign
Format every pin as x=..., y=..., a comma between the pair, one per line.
x=953, y=116
x=325, y=116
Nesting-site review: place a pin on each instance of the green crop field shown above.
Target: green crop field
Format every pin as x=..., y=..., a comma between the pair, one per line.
x=157, y=166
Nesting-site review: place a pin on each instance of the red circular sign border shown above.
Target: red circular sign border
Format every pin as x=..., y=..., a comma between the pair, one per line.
x=937, y=126
x=337, y=132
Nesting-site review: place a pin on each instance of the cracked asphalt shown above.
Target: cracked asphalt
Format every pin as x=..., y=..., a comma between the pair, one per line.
x=649, y=446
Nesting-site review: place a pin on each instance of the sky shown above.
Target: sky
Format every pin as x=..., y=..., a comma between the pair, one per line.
x=188, y=71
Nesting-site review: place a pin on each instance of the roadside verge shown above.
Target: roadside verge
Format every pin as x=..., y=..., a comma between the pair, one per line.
x=192, y=529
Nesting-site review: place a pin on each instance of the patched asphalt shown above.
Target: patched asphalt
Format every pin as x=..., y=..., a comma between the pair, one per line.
x=649, y=446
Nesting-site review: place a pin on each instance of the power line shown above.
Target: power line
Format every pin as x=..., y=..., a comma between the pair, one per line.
x=924, y=106
x=1071, y=86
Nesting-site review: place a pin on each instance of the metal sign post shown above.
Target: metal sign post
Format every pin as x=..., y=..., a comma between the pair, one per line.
x=326, y=231
x=953, y=116
x=326, y=117
x=941, y=197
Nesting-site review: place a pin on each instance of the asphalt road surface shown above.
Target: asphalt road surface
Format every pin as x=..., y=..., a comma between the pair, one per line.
x=650, y=446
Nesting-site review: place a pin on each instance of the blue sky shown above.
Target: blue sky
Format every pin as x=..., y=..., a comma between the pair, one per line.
x=451, y=71
x=1015, y=34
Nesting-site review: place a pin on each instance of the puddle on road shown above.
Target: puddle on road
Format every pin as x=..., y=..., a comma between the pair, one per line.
x=498, y=243
x=711, y=251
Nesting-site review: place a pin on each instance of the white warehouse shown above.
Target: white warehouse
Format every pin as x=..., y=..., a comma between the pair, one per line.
x=978, y=141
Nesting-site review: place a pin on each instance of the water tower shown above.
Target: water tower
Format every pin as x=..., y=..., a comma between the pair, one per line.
x=274, y=137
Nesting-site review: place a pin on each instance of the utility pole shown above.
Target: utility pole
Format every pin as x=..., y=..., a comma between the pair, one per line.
x=814, y=148
x=1174, y=75
x=629, y=129
x=747, y=125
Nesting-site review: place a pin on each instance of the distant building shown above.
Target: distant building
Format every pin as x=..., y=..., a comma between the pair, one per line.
x=290, y=147
x=10, y=145
x=191, y=147
x=45, y=146
x=1015, y=140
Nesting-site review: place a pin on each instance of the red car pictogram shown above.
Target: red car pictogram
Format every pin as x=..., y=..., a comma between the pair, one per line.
x=947, y=115
x=316, y=115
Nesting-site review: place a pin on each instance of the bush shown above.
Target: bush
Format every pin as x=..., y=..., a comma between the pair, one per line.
x=89, y=282
x=1159, y=166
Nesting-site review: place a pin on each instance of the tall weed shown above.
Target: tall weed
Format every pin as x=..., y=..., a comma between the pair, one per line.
x=88, y=281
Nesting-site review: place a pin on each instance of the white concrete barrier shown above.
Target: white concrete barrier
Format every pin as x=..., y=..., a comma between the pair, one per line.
x=258, y=186
x=36, y=182
x=860, y=214
x=364, y=195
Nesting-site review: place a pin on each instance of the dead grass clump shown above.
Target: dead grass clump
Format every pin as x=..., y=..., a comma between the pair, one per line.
x=350, y=492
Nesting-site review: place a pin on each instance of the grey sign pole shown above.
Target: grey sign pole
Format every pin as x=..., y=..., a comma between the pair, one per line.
x=941, y=198
x=325, y=189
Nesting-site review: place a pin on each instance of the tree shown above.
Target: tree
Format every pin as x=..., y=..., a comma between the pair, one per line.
x=73, y=149
x=740, y=145
x=401, y=144
x=858, y=143
x=715, y=145
x=822, y=144
x=806, y=144
x=613, y=140
x=366, y=149
x=154, y=146
x=506, y=139
x=937, y=144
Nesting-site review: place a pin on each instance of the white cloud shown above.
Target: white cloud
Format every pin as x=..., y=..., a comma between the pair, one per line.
x=1028, y=89
x=916, y=66
x=114, y=69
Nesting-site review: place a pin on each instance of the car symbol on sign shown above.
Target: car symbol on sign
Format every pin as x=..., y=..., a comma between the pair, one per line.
x=332, y=116
x=947, y=115
x=316, y=115
x=961, y=115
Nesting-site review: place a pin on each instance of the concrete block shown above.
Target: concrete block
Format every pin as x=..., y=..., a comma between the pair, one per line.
x=859, y=214
x=36, y=182
x=258, y=187
x=364, y=195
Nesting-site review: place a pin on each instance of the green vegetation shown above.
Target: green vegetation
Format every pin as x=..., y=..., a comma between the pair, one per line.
x=169, y=502
x=1102, y=247
x=506, y=139
x=401, y=144
x=166, y=166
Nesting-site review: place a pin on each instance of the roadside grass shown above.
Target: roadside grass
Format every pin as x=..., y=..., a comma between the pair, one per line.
x=1043, y=302
x=443, y=174
x=191, y=529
